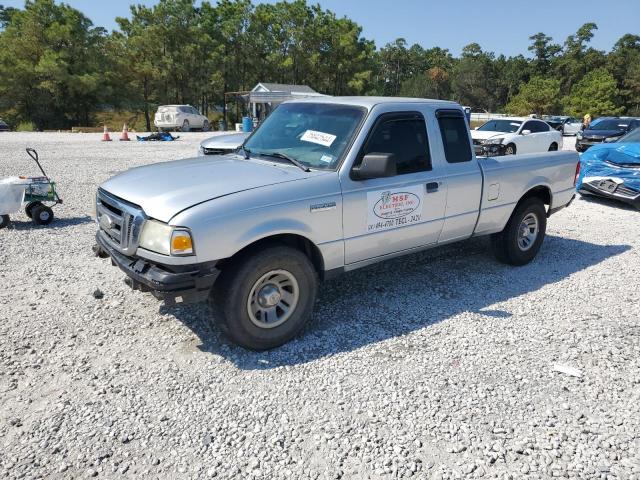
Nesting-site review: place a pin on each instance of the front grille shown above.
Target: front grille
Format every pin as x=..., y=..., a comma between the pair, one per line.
x=120, y=221
x=216, y=151
x=627, y=191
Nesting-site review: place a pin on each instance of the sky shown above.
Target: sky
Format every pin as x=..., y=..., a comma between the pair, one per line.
x=500, y=26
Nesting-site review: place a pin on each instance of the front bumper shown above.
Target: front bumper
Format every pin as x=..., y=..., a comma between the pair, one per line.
x=582, y=145
x=172, y=284
x=589, y=189
x=489, y=150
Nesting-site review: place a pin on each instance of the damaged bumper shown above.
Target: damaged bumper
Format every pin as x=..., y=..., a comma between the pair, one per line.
x=489, y=150
x=172, y=284
x=609, y=188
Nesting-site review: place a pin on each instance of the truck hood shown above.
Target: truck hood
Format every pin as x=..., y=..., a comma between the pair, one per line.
x=163, y=190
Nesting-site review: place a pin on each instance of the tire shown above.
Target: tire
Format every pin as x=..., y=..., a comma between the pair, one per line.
x=185, y=126
x=510, y=246
x=246, y=322
x=553, y=147
x=42, y=215
x=206, y=126
x=510, y=150
x=29, y=208
x=5, y=221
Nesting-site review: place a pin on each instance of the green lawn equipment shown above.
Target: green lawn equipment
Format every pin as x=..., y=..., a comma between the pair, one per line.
x=37, y=194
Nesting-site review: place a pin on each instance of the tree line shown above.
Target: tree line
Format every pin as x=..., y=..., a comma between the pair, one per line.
x=57, y=69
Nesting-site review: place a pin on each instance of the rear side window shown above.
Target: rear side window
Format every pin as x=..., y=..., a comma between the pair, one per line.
x=455, y=136
x=404, y=135
x=536, y=127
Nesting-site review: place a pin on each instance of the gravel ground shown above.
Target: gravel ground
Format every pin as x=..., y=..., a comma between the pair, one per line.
x=437, y=365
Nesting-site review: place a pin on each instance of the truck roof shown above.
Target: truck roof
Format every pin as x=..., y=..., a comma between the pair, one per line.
x=370, y=102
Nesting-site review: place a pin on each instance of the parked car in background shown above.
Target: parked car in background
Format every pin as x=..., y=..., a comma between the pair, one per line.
x=325, y=185
x=180, y=117
x=612, y=170
x=566, y=125
x=222, y=144
x=4, y=127
x=605, y=130
x=513, y=135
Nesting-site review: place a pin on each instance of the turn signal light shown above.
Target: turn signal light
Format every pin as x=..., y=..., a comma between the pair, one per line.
x=181, y=243
x=575, y=179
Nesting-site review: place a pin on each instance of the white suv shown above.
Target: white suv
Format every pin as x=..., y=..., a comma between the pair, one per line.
x=183, y=117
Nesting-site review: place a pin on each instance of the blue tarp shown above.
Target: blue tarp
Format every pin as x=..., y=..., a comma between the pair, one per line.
x=616, y=161
x=158, y=137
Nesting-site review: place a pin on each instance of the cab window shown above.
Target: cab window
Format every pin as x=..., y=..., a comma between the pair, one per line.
x=405, y=136
x=455, y=136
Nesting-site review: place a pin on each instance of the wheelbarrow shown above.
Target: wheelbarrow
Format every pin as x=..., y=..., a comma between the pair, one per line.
x=37, y=194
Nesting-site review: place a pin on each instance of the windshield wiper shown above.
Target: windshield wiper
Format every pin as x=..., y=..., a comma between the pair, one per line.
x=284, y=156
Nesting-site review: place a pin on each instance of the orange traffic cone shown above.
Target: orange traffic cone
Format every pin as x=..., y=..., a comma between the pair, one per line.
x=105, y=136
x=125, y=134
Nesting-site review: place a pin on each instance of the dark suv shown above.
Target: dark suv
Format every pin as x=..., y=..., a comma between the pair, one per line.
x=605, y=129
x=4, y=127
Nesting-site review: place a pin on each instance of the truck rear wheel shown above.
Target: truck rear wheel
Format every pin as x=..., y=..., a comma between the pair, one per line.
x=522, y=238
x=264, y=299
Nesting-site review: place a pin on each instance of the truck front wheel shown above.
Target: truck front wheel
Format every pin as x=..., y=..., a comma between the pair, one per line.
x=521, y=239
x=262, y=300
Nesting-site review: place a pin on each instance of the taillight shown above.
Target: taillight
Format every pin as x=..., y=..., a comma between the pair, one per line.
x=575, y=179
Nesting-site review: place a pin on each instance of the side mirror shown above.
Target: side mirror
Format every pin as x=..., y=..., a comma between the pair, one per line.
x=375, y=165
x=526, y=132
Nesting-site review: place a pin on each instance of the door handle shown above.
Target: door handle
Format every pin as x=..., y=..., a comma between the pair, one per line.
x=432, y=187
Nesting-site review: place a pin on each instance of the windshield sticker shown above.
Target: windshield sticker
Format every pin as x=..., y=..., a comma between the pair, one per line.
x=387, y=209
x=326, y=158
x=324, y=139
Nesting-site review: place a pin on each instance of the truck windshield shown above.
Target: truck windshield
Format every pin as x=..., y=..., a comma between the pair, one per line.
x=504, y=126
x=314, y=134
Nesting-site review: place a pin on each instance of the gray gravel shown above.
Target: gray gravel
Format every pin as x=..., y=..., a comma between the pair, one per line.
x=444, y=364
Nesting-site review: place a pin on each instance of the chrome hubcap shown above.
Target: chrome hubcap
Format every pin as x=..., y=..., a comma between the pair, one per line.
x=527, y=232
x=273, y=299
x=269, y=296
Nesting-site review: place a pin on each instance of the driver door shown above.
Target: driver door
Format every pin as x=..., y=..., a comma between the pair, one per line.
x=383, y=216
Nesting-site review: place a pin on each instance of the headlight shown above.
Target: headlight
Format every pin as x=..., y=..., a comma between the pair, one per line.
x=494, y=141
x=611, y=139
x=162, y=238
x=579, y=135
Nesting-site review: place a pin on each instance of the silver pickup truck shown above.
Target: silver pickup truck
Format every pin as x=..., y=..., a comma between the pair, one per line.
x=324, y=186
